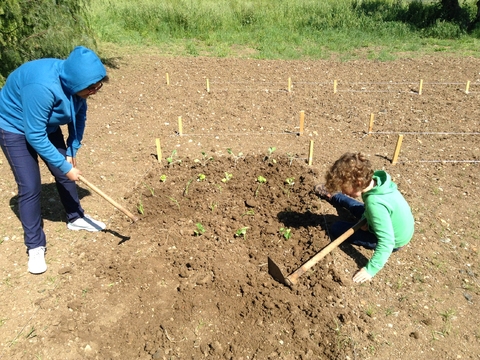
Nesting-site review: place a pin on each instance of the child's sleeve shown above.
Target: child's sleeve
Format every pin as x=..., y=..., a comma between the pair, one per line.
x=380, y=223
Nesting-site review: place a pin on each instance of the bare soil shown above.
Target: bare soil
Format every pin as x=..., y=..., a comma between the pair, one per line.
x=190, y=279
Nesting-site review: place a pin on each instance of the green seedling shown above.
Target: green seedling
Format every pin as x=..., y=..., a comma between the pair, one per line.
x=174, y=201
x=235, y=157
x=242, y=232
x=140, y=208
x=249, y=212
x=448, y=314
x=152, y=190
x=271, y=150
x=163, y=178
x=212, y=206
x=200, y=229
x=369, y=311
x=185, y=192
x=31, y=334
x=261, y=180
x=290, y=157
x=8, y=282
x=227, y=177
x=201, y=177
x=286, y=233
x=290, y=181
x=204, y=160
x=172, y=159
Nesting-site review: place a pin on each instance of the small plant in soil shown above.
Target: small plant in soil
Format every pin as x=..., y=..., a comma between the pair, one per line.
x=242, y=232
x=227, y=177
x=163, y=178
x=235, y=157
x=173, y=158
x=201, y=177
x=140, y=208
x=31, y=334
x=151, y=189
x=261, y=180
x=185, y=192
x=249, y=212
x=290, y=182
x=369, y=311
x=199, y=230
x=212, y=206
x=174, y=201
x=268, y=157
x=286, y=233
x=205, y=158
x=290, y=158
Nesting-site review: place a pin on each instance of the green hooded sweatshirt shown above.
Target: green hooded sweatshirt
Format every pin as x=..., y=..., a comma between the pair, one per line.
x=389, y=217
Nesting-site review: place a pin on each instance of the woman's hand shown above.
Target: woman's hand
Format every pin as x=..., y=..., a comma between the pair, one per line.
x=73, y=174
x=362, y=276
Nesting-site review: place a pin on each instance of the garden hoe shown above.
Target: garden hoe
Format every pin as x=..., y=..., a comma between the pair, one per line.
x=108, y=198
x=292, y=279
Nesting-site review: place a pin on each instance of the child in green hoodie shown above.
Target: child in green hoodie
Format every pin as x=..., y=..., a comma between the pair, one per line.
x=390, y=222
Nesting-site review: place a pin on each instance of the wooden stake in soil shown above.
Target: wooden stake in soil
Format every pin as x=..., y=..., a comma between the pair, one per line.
x=208, y=86
x=467, y=88
x=397, y=149
x=180, y=126
x=159, y=150
x=289, y=84
x=310, y=153
x=302, y=121
x=420, y=87
x=168, y=78
x=370, y=127
x=334, y=86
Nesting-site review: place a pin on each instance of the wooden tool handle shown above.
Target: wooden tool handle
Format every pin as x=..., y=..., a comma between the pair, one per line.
x=293, y=278
x=108, y=198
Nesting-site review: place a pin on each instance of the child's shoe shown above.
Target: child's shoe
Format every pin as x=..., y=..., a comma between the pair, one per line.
x=86, y=223
x=36, y=260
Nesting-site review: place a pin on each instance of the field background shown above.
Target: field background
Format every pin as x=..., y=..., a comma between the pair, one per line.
x=155, y=289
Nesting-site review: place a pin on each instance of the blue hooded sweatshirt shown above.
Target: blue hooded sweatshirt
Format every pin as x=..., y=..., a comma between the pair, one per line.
x=40, y=95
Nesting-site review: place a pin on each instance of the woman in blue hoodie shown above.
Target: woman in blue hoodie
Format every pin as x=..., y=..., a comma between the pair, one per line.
x=39, y=97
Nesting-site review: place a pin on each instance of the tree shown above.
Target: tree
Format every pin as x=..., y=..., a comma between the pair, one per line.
x=41, y=28
x=451, y=9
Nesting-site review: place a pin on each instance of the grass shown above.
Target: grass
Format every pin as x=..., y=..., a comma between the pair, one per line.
x=295, y=29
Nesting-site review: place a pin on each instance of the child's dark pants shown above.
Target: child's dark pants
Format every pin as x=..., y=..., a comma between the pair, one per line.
x=361, y=237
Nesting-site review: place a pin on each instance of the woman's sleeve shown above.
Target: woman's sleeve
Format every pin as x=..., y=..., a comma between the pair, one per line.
x=75, y=130
x=36, y=113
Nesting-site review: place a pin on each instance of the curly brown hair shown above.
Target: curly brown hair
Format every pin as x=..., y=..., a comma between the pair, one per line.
x=350, y=170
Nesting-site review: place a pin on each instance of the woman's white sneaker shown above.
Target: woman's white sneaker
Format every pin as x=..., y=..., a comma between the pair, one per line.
x=36, y=260
x=86, y=223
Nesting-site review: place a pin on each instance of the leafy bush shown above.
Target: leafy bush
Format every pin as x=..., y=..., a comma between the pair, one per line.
x=43, y=28
x=444, y=30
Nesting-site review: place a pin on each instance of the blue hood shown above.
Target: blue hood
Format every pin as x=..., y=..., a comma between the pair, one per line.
x=81, y=69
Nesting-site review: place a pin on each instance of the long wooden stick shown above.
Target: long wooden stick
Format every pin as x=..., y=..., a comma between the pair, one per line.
x=293, y=277
x=108, y=198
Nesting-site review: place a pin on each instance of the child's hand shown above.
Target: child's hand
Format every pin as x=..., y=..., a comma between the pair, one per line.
x=362, y=276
